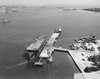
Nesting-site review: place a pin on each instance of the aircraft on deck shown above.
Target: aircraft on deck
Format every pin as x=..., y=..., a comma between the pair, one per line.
x=42, y=49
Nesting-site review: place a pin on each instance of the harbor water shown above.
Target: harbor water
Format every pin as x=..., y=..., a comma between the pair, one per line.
x=29, y=24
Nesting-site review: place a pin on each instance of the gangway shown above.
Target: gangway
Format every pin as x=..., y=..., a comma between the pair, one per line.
x=60, y=49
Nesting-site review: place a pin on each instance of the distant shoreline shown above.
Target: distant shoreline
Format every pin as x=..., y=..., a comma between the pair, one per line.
x=92, y=9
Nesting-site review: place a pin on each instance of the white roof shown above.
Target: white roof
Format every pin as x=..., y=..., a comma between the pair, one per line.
x=87, y=76
x=46, y=52
x=53, y=38
x=54, y=35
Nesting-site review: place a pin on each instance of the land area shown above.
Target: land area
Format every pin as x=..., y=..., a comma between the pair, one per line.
x=10, y=9
x=92, y=9
x=86, y=54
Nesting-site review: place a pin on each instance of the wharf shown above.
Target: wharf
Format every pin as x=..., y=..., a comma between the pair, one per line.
x=48, y=49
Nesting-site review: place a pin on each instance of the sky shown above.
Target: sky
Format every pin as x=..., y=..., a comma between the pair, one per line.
x=51, y=2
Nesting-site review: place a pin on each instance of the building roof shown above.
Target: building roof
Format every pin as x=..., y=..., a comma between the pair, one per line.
x=53, y=38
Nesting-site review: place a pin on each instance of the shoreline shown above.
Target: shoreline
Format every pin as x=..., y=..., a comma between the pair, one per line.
x=74, y=61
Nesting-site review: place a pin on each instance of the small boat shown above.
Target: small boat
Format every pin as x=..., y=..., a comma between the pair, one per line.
x=4, y=21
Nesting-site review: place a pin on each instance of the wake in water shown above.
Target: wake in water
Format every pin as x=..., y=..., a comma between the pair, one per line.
x=22, y=63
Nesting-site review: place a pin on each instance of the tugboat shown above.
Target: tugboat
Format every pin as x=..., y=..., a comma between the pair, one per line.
x=4, y=21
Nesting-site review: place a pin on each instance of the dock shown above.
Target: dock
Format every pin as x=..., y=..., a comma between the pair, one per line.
x=48, y=49
x=73, y=55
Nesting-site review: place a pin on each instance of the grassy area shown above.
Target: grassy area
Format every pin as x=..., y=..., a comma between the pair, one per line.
x=96, y=63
